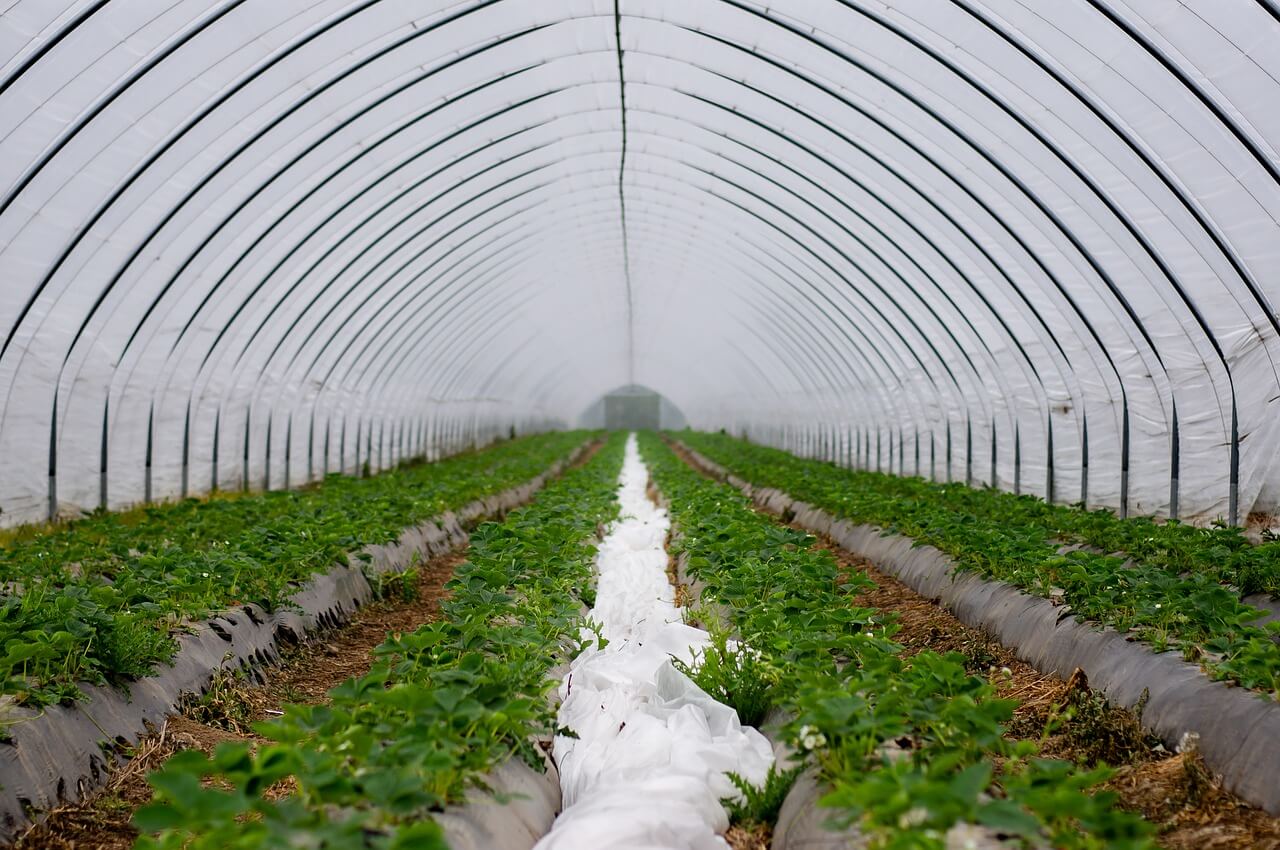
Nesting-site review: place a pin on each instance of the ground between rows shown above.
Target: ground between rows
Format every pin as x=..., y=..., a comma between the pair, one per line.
x=102, y=821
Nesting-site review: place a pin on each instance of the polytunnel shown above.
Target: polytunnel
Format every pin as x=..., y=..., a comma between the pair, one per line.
x=1015, y=246
x=252, y=246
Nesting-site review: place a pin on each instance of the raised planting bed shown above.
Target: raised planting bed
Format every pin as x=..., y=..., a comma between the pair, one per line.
x=400, y=757
x=906, y=751
x=1181, y=589
x=55, y=753
x=1237, y=731
x=102, y=599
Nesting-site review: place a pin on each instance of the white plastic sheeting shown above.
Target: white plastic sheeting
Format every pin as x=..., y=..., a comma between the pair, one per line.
x=648, y=766
x=1042, y=234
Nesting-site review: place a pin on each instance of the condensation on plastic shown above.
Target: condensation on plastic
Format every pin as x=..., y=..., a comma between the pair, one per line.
x=275, y=238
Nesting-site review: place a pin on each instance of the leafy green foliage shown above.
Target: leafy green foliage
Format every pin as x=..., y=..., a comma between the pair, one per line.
x=99, y=600
x=909, y=746
x=759, y=805
x=734, y=675
x=440, y=707
x=1175, y=587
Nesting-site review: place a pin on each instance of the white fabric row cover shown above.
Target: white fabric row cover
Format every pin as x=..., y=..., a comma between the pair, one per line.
x=1037, y=240
x=650, y=754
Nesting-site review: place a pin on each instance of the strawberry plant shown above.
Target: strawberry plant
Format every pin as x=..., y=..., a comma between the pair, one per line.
x=1174, y=586
x=441, y=706
x=100, y=599
x=911, y=747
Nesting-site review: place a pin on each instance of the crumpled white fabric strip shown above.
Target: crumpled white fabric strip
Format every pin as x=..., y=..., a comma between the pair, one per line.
x=647, y=769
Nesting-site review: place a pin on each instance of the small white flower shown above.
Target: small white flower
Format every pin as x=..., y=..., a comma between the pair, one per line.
x=1006, y=672
x=206, y=575
x=1158, y=605
x=811, y=738
x=913, y=817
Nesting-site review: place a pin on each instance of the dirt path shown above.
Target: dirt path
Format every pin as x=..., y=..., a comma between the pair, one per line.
x=232, y=705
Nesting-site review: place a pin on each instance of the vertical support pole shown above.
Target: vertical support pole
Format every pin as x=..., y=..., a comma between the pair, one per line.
x=217, y=438
x=902, y=452
x=382, y=443
x=968, y=452
x=359, y=434
x=1048, y=473
x=53, y=461
x=102, y=456
x=328, y=427
x=1124, y=459
x=311, y=446
x=993, y=478
x=948, y=450
x=266, y=466
x=146, y=486
x=1084, y=461
x=933, y=456
x=186, y=451
x=1017, y=459
x=1233, y=497
x=1174, y=460
x=244, y=475
x=288, y=451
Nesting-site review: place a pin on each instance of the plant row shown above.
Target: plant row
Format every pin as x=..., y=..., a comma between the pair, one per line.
x=910, y=746
x=100, y=599
x=1174, y=586
x=441, y=706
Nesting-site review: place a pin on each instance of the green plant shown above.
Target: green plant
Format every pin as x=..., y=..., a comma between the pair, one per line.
x=401, y=586
x=440, y=707
x=1173, y=585
x=908, y=744
x=735, y=675
x=100, y=599
x=757, y=805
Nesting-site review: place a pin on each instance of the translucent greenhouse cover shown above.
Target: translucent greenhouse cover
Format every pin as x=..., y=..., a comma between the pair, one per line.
x=246, y=242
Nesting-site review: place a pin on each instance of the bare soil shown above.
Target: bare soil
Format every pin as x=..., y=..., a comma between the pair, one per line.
x=748, y=839
x=102, y=821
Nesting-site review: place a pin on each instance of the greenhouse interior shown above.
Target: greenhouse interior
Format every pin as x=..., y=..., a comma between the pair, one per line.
x=640, y=424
